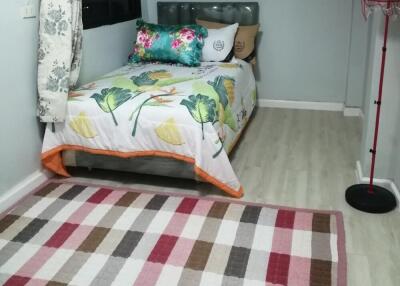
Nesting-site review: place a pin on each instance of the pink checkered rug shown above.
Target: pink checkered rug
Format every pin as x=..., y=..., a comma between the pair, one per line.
x=72, y=234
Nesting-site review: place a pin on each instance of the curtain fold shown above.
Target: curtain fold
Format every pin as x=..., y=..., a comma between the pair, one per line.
x=59, y=56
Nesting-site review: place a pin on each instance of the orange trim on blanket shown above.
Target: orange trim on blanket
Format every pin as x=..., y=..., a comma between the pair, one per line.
x=52, y=160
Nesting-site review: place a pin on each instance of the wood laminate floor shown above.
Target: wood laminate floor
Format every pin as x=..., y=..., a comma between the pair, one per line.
x=300, y=159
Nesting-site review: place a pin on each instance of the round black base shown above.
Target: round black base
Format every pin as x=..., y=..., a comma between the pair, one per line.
x=381, y=201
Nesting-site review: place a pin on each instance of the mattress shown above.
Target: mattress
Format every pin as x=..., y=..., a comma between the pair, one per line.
x=153, y=115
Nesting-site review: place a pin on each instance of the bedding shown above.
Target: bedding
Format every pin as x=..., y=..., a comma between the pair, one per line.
x=168, y=43
x=218, y=46
x=191, y=114
x=244, y=41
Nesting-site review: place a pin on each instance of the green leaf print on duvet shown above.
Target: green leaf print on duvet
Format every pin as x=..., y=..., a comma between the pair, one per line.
x=111, y=98
x=201, y=87
x=143, y=79
x=229, y=119
x=225, y=116
x=154, y=80
x=148, y=81
x=201, y=108
x=125, y=83
x=159, y=78
x=221, y=90
x=225, y=88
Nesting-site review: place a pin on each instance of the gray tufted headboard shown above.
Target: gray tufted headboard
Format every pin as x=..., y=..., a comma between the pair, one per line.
x=244, y=13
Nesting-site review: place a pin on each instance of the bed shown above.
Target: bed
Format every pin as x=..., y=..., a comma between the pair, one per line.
x=158, y=119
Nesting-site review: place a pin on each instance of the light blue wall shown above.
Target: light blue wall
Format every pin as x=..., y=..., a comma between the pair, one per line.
x=304, y=48
x=20, y=136
x=105, y=49
x=357, y=58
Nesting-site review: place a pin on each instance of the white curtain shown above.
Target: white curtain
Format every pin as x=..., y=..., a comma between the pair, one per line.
x=59, y=55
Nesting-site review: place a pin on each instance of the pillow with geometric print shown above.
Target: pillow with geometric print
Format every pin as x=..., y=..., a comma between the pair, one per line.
x=168, y=43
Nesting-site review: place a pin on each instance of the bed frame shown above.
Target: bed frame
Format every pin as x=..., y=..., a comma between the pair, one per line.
x=172, y=13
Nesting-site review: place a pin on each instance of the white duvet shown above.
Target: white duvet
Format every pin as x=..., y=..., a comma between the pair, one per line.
x=194, y=115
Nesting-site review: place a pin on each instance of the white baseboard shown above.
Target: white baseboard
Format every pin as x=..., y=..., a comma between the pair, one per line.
x=311, y=105
x=389, y=184
x=23, y=188
x=352, y=112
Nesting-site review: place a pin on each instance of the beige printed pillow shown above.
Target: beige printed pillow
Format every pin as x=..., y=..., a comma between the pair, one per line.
x=244, y=41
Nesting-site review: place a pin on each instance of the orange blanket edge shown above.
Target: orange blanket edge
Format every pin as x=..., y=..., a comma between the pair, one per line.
x=52, y=161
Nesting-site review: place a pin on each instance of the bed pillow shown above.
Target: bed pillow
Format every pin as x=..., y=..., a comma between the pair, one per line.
x=244, y=41
x=218, y=45
x=173, y=44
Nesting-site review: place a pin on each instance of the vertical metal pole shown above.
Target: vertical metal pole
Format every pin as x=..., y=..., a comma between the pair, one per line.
x=378, y=105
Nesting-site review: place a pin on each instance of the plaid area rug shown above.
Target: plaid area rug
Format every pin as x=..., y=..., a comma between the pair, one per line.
x=70, y=234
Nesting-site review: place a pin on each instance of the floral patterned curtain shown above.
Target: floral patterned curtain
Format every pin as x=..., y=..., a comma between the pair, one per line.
x=59, y=56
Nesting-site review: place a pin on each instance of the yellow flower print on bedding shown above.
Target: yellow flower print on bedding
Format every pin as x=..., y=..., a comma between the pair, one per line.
x=169, y=132
x=81, y=125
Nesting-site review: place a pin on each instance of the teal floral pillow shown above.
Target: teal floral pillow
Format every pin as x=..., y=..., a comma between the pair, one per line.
x=173, y=44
